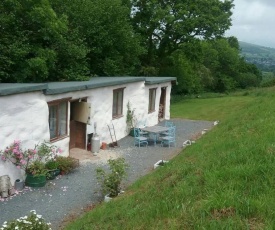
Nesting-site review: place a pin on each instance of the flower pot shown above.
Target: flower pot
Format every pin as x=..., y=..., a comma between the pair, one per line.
x=57, y=172
x=52, y=174
x=19, y=185
x=103, y=145
x=107, y=197
x=132, y=132
x=35, y=181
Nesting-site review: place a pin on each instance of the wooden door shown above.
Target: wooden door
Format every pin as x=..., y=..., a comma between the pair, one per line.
x=80, y=117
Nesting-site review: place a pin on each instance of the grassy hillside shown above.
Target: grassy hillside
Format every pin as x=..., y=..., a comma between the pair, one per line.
x=263, y=57
x=224, y=181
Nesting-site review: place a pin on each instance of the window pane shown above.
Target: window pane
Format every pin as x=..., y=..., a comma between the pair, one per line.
x=152, y=99
x=62, y=119
x=119, y=103
x=115, y=103
x=52, y=121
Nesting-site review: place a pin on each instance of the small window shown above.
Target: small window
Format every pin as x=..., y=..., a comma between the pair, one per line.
x=58, y=111
x=118, y=102
x=152, y=100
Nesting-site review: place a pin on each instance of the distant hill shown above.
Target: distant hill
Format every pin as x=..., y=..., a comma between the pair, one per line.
x=262, y=57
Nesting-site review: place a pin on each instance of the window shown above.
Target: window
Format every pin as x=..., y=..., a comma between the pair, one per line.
x=58, y=118
x=152, y=100
x=117, y=102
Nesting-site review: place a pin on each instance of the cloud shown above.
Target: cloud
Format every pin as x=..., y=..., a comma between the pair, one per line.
x=253, y=20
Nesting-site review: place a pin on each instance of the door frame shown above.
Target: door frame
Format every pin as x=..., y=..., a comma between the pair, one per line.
x=162, y=102
x=74, y=129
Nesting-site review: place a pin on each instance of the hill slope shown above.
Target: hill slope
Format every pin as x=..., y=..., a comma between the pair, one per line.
x=223, y=181
x=262, y=57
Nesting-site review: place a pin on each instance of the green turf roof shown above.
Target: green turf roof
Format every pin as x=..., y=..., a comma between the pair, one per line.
x=16, y=88
x=65, y=87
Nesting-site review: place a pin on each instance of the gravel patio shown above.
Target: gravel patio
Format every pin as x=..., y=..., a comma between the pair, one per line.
x=70, y=195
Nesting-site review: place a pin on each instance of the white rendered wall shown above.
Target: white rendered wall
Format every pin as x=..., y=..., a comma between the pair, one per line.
x=101, y=100
x=167, y=102
x=23, y=117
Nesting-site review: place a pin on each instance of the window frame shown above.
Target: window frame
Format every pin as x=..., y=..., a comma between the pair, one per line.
x=118, y=113
x=152, y=100
x=57, y=104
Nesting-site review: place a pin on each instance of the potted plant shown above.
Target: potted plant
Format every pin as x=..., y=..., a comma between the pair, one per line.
x=66, y=164
x=111, y=181
x=130, y=119
x=36, y=174
x=53, y=169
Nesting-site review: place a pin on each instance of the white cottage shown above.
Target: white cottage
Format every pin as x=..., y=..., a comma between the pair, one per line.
x=65, y=112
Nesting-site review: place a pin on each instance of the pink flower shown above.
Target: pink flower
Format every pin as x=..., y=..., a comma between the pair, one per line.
x=23, y=162
x=3, y=158
x=59, y=150
x=18, y=166
x=17, y=142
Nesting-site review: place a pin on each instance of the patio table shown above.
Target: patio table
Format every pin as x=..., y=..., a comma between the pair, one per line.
x=156, y=129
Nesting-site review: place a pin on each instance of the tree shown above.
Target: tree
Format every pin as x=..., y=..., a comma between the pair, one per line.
x=105, y=27
x=35, y=45
x=228, y=68
x=186, y=71
x=167, y=24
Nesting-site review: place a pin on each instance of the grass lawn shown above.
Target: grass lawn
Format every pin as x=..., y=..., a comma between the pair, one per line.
x=209, y=108
x=224, y=181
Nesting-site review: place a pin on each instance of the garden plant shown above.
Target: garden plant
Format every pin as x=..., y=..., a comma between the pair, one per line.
x=110, y=180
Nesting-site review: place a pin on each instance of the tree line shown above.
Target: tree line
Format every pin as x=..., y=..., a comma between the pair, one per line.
x=74, y=40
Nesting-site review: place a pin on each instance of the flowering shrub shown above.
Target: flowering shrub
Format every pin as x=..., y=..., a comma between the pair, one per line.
x=17, y=156
x=32, y=221
x=46, y=151
x=42, y=152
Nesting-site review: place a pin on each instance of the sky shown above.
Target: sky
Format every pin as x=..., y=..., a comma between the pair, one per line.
x=253, y=21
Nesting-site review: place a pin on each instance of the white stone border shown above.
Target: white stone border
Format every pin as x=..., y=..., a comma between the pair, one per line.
x=157, y=164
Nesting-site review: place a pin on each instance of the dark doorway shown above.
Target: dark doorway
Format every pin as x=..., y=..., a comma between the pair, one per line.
x=162, y=103
x=79, y=116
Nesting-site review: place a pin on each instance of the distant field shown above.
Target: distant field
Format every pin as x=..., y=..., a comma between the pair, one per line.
x=223, y=181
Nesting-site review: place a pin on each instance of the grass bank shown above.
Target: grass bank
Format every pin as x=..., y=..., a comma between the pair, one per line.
x=224, y=181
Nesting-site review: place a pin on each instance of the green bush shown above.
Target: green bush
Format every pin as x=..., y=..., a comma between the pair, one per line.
x=52, y=164
x=269, y=83
x=111, y=181
x=247, y=80
x=36, y=168
x=66, y=164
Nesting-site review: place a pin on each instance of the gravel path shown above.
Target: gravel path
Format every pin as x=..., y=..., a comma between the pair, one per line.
x=71, y=194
